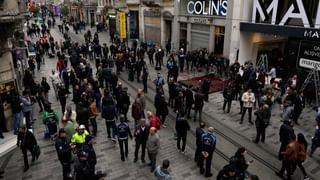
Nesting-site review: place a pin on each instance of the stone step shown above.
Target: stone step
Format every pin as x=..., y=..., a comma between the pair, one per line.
x=8, y=144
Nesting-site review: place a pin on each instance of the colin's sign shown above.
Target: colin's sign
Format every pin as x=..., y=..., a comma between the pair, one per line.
x=208, y=8
x=295, y=11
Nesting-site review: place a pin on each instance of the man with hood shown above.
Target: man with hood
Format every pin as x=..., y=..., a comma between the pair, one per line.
x=161, y=172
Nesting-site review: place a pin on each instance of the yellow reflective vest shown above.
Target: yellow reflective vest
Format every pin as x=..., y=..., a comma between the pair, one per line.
x=79, y=138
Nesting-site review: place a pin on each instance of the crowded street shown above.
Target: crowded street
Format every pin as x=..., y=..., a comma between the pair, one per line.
x=105, y=92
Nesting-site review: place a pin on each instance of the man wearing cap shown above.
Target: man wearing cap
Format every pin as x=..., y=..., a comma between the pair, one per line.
x=64, y=153
x=82, y=167
x=79, y=137
x=123, y=131
x=88, y=148
x=208, y=146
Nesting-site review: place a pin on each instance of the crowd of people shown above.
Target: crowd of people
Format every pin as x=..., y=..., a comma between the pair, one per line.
x=102, y=93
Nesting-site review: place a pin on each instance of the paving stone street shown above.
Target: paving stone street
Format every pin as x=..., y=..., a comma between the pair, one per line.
x=182, y=166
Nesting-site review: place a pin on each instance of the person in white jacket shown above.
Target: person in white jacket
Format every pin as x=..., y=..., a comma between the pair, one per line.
x=248, y=100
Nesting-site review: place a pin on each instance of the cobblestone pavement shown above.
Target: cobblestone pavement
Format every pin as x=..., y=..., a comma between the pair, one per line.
x=182, y=166
x=108, y=153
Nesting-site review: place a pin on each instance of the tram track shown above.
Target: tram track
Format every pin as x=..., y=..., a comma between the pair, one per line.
x=222, y=137
x=215, y=123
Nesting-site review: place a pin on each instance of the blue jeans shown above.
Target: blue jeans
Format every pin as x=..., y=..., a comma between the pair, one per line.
x=111, y=125
x=16, y=121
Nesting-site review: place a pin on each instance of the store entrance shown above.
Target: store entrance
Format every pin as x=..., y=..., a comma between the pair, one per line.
x=273, y=52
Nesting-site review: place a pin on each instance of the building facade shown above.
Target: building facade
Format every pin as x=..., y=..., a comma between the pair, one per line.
x=11, y=43
x=285, y=32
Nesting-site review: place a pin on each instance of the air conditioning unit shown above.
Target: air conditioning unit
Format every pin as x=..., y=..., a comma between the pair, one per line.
x=152, y=3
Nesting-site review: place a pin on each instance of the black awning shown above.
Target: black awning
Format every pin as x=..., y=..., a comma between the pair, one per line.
x=288, y=31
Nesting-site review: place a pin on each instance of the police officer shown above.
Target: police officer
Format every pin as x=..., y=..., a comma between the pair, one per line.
x=123, y=133
x=64, y=153
x=208, y=146
x=88, y=148
x=199, y=132
x=79, y=137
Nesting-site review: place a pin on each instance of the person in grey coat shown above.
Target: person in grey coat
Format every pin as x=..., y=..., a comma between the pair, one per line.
x=153, y=146
x=161, y=172
x=27, y=108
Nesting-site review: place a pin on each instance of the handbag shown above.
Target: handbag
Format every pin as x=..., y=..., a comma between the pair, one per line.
x=36, y=151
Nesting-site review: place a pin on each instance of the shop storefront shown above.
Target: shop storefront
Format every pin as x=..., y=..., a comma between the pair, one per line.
x=152, y=26
x=133, y=18
x=290, y=40
x=202, y=25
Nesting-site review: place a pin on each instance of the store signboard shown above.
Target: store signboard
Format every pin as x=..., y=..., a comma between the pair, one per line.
x=208, y=8
x=309, y=55
x=122, y=24
x=296, y=10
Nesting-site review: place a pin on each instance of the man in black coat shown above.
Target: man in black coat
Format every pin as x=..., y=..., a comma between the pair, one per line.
x=198, y=105
x=182, y=128
x=286, y=131
x=82, y=167
x=179, y=106
x=141, y=135
x=228, y=94
x=262, y=122
x=189, y=101
x=92, y=157
x=64, y=153
x=82, y=115
x=298, y=107
x=205, y=89
x=199, y=132
x=26, y=141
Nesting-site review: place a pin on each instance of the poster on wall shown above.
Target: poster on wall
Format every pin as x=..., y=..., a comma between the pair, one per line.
x=309, y=55
x=122, y=24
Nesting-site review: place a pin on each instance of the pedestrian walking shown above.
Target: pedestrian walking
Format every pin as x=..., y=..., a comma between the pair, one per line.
x=93, y=115
x=161, y=172
x=315, y=141
x=262, y=122
x=153, y=146
x=198, y=105
x=141, y=135
x=228, y=173
x=27, y=142
x=154, y=121
x=182, y=128
x=240, y=163
x=46, y=89
x=123, y=134
x=189, y=101
x=62, y=95
x=92, y=157
x=27, y=108
x=82, y=168
x=228, y=95
x=208, y=146
x=64, y=149
x=248, y=100
x=199, y=132
x=109, y=113
x=302, y=154
x=16, y=107
x=136, y=109
x=286, y=132
x=299, y=104
x=290, y=157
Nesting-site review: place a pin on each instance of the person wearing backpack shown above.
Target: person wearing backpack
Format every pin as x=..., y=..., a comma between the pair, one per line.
x=50, y=119
x=262, y=122
x=161, y=172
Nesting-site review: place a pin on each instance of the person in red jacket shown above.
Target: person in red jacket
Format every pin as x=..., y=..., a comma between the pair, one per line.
x=154, y=120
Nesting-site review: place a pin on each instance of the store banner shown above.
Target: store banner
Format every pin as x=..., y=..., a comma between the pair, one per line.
x=309, y=55
x=122, y=24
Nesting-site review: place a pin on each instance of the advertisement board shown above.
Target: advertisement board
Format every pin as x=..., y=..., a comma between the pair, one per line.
x=309, y=55
x=122, y=24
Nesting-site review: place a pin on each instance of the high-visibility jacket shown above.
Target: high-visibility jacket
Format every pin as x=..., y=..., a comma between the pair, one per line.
x=79, y=138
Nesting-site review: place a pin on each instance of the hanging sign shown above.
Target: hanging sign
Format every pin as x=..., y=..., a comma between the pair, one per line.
x=122, y=24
